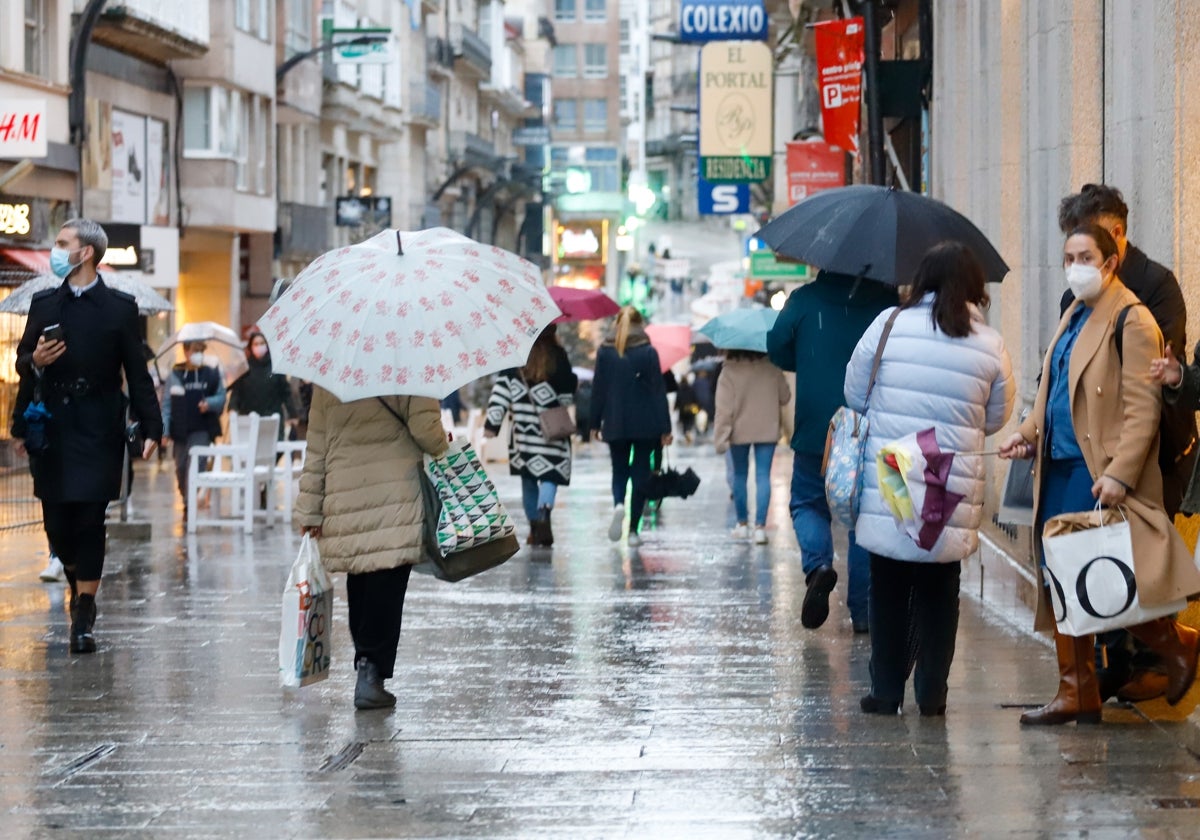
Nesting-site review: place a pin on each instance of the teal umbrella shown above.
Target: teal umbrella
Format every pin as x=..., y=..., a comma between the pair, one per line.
x=741, y=329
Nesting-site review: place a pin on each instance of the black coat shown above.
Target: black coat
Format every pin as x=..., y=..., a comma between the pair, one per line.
x=82, y=391
x=262, y=392
x=629, y=396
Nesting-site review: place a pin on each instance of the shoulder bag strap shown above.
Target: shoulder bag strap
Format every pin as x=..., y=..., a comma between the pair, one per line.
x=887, y=330
x=394, y=413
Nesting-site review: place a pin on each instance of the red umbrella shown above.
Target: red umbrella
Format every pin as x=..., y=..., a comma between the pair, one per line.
x=582, y=304
x=672, y=341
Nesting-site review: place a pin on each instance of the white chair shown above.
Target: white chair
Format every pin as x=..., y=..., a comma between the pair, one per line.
x=289, y=472
x=265, y=468
x=233, y=470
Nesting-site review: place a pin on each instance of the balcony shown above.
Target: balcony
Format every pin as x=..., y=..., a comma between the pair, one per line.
x=673, y=144
x=472, y=52
x=440, y=56
x=303, y=230
x=431, y=7
x=508, y=100
x=425, y=104
x=472, y=149
x=159, y=30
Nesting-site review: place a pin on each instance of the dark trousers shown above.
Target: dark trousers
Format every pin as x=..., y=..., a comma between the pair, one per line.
x=376, y=602
x=913, y=611
x=631, y=463
x=76, y=531
x=182, y=450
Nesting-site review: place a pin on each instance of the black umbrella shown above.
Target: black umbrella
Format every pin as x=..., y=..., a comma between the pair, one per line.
x=875, y=232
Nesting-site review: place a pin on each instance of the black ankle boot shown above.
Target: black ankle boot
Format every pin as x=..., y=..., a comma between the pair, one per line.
x=872, y=705
x=546, y=535
x=83, y=617
x=369, y=692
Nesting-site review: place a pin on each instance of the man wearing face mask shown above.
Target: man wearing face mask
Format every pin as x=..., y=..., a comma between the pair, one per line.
x=192, y=404
x=78, y=340
x=1127, y=669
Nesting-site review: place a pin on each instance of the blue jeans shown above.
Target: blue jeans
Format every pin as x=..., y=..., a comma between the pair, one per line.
x=811, y=519
x=764, y=453
x=536, y=495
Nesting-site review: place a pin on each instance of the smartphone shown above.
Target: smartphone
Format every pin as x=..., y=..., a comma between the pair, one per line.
x=54, y=332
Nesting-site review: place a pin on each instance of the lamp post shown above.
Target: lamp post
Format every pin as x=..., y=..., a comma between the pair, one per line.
x=287, y=66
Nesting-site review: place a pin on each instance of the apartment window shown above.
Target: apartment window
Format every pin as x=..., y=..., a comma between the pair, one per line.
x=624, y=37
x=566, y=61
x=298, y=33
x=564, y=11
x=566, y=115
x=254, y=17
x=210, y=127
x=37, y=38
x=595, y=61
x=239, y=109
x=260, y=142
x=595, y=115
x=593, y=11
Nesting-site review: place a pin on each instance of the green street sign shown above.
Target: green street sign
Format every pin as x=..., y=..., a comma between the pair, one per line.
x=764, y=265
x=735, y=169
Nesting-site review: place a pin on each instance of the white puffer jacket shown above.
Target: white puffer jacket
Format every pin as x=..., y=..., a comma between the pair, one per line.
x=962, y=387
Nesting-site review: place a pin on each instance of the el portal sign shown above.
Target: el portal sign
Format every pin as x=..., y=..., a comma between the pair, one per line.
x=735, y=112
x=701, y=21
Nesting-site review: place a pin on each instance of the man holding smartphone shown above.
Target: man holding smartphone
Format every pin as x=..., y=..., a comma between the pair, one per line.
x=77, y=341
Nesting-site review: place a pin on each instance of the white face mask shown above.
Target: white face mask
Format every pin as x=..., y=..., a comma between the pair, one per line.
x=197, y=359
x=1085, y=281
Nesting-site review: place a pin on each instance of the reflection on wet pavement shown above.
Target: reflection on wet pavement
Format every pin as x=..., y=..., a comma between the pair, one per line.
x=590, y=691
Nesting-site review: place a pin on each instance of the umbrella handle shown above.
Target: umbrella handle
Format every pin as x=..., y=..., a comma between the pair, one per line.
x=981, y=453
x=399, y=245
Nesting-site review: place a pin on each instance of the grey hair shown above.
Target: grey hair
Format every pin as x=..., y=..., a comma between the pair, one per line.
x=90, y=233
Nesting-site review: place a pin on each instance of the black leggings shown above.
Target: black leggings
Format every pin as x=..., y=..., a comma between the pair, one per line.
x=76, y=530
x=631, y=462
x=913, y=610
x=376, y=605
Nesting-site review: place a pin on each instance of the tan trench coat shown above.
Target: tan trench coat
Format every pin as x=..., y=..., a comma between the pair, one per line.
x=1115, y=410
x=361, y=479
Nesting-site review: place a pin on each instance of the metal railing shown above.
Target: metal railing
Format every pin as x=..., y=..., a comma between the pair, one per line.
x=471, y=147
x=426, y=102
x=473, y=49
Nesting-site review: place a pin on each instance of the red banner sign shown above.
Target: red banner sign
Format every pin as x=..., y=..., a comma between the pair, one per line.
x=839, y=47
x=813, y=166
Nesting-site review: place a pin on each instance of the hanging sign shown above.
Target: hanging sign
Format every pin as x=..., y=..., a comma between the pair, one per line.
x=839, y=48
x=736, y=80
x=723, y=199
x=701, y=21
x=23, y=128
x=812, y=166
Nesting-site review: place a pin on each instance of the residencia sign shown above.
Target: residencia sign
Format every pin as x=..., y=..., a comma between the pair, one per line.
x=701, y=21
x=735, y=112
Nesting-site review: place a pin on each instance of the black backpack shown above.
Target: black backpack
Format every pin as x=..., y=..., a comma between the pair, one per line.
x=1177, y=435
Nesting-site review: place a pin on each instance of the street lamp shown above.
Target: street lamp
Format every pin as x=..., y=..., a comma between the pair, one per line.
x=285, y=68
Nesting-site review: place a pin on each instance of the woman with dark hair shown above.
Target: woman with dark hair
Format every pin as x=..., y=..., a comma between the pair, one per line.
x=544, y=465
x=260, y=390
x=941, y=367
x=1094, y=434
x=750, y=393
x=629, y=410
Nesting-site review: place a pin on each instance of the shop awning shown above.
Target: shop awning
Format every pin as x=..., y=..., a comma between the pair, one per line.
x=38, y=261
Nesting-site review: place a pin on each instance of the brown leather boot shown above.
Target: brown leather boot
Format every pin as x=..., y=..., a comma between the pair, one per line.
x=1179, y=647
x=1078, y=697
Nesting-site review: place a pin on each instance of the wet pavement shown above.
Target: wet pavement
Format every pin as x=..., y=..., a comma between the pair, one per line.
x=588, y=691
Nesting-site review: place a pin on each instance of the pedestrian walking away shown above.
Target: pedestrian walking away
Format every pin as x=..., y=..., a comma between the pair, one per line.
x=814, y=336
x=360, y=496
x=1093, y=432
x=192, y=406
x=943, y=368
x=1126, y=668
x=544, y=383
x=630, y=413
x=261, y=391
x=78, y=340
x=750, y=392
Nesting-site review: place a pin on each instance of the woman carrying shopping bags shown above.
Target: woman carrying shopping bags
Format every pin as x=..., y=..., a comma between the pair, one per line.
x=750, y=392
x=1093, y=431
x=360, y=496
x=545, y=382
x=630, y=412
x=942, y=367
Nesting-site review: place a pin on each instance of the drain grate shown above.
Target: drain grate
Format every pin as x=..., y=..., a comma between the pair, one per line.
x=344, y=757
x=86, y=760
x=1176, y=802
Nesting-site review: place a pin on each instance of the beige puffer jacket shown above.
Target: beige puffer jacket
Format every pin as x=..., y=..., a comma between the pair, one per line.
x=750, y=393
x=361, y=479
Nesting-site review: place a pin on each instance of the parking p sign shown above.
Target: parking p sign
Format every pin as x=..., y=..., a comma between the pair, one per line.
x=723, y=199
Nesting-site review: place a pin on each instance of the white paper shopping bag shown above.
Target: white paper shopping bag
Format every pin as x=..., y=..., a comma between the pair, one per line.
x=305, y=633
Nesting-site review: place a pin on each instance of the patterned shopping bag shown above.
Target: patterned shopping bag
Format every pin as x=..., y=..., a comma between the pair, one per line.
x=471, y=514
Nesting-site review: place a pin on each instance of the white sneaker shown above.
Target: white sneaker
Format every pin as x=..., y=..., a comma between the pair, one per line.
x=760, y=536
x=617, y=524
x=741, y=532
x=634, y=540
x=53, y=571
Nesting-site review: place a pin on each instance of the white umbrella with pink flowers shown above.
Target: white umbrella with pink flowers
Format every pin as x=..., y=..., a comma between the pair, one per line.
x=419, y=313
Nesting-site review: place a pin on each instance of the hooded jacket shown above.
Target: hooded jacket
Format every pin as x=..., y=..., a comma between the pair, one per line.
x=262, y=392
x=816, y=332
x=629, y=395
